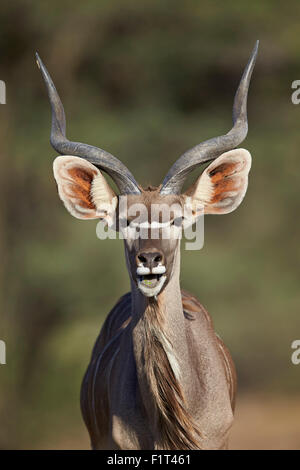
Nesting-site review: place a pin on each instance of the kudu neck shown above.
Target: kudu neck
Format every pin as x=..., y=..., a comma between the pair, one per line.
x=162, y=363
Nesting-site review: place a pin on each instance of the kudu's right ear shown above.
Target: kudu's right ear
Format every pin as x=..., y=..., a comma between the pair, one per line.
x=83, y=189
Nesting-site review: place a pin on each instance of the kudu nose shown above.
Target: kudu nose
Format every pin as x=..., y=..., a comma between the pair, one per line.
x=149, y=259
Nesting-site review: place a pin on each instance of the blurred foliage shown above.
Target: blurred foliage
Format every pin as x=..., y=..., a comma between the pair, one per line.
x=145, y=80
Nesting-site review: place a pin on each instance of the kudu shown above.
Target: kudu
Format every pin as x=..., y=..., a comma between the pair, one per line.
x=159, y=376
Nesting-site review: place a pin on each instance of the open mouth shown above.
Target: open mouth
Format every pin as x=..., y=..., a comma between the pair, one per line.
x=149, y=280
x=150, y=284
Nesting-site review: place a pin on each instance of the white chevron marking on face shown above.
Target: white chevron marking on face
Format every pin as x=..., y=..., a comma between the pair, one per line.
x=158, y=270
x=142, y=271
x=150, y=224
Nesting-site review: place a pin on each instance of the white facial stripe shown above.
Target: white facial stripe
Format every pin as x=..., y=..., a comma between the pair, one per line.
x=142, y=271
x=148, y=225
x=152, y=291
x=159, y=270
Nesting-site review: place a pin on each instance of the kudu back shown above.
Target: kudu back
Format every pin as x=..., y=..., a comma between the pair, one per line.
x=159, y=376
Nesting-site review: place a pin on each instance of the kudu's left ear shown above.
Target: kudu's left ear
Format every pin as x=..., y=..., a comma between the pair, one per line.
x=83, y=189
x=223, y=184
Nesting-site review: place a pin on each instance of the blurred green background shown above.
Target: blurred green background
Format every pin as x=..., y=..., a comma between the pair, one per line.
x=145, y=80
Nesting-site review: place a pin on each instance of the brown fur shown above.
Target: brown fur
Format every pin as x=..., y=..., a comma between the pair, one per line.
x=222, y=184
x=151, y=188
x=220, y=177
x=133, y=397
x=221, y=171
x=221, y=188
x=81, y=187
x=175, y=426
x=192, y=304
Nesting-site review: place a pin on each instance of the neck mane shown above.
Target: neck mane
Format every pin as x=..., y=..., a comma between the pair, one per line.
x=158, y=369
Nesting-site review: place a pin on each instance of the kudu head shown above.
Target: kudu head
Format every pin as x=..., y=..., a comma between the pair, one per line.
x=87, y=195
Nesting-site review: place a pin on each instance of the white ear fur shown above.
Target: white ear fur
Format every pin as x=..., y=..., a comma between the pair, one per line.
x=83, y=189
x=223, y=184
